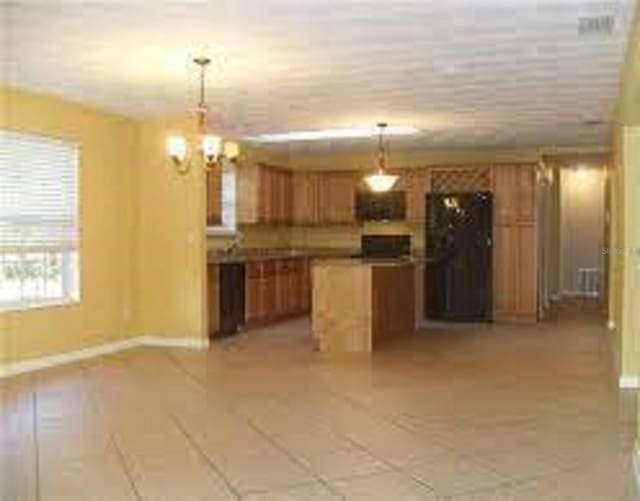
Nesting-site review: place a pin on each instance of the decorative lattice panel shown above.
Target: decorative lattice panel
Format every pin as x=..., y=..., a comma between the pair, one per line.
x=461, y=180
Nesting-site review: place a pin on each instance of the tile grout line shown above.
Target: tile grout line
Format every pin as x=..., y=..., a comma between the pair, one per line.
x=121, y=459
x=204, y=456
x=266, y=436
x=125, y=467
x=291, y=456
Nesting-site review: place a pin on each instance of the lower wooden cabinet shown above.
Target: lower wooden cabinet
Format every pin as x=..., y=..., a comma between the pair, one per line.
x=213, y=298
x=515, y=273
x=276, y=289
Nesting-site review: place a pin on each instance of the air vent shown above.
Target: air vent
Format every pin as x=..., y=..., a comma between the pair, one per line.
x=597, y=25
x=592, y=122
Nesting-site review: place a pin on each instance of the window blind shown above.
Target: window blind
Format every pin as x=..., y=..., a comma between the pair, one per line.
x=38, y=217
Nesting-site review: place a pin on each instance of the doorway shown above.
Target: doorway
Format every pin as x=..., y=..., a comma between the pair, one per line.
x=459, y=269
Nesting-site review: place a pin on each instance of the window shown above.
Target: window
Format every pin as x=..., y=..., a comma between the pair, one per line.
x=228, y=199
x=38, y=220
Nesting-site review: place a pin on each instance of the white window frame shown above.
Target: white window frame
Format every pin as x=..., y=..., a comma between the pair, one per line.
x=228, y=199
x=67, y=253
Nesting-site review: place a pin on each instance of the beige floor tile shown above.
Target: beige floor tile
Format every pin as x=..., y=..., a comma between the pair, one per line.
x=178, y=476
x=345, y=463
x=94, y=478
x=312, y=492
x=483, y=412
x=450, y=475
x=383, y=487
x=17, y=477
x=256, y=467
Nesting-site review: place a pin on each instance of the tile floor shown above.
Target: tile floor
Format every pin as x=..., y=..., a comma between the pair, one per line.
x=473, y=413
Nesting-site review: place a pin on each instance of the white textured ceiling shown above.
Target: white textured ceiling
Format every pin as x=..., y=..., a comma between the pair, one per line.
x=468, y=73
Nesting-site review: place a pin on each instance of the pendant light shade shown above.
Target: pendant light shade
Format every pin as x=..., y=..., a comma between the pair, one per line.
x=381, y=181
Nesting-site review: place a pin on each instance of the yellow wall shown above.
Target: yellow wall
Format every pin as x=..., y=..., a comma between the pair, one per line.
x=170, y=240
x=143, y=239
x=628, y=251
x=624, y=194
x=107, y=223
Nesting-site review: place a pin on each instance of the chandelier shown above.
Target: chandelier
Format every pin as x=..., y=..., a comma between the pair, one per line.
x=380, y=180
x=211, y=148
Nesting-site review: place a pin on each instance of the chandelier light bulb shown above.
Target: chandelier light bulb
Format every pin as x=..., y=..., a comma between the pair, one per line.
x=211, y=145
x=177, y=148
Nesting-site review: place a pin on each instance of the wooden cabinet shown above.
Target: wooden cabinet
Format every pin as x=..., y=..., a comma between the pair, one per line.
x=213, y=298
x=254, y=294
x=265, y=194
x=514, y=187
x=306, y=191
x=274, y=195
x=515, y=243
x=337, y=197
x=276, y=289
x=214, y=197
x=269, y=289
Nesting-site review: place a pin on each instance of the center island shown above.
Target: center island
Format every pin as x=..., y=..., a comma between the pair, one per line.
x=360, y=304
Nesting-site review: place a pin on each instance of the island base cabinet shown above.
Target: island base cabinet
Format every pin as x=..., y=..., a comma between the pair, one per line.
x=277, y=289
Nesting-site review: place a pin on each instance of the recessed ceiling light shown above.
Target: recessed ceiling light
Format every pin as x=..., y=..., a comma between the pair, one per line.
x=319, y=135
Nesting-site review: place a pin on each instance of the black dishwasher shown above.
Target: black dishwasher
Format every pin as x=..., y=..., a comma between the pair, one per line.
x=232, y=287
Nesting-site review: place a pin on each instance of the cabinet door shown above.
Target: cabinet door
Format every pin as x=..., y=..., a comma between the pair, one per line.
x=265, y=199
x=288, y=197
x=526, y=292
x=248, y=201
x=268, y=289
x=274, y=196
x=281, y=286
x=305, y=198
x=254, y=293
x=213, y=295
x=505, y=187
x=337, y=197
x=214, y=197
x=526, y=193
x=505, y=270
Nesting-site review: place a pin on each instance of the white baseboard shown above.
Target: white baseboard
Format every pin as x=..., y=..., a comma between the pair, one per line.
x=628, y=381
x=175, y=342
x=34, y=364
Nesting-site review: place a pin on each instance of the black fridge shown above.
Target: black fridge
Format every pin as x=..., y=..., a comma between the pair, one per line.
x=459, y=269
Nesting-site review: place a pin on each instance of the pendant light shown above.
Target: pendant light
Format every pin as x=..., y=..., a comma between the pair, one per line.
x=380, y=181
x=211, y=148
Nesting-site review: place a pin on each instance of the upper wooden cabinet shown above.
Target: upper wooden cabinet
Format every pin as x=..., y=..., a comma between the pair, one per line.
x=264, y=194
x=515, y=194
x=214, y=197
x=337, y=197
x=306, y=193
x=274, y=195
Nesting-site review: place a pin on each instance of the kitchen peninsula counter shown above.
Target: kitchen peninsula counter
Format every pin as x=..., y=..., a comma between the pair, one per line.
x=360, y=304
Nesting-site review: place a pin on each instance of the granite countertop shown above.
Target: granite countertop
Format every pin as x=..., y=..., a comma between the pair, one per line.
x=244, y=255
x=394, y=263
x=348, y=256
